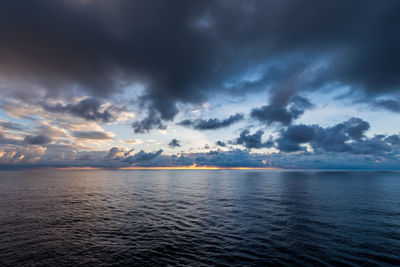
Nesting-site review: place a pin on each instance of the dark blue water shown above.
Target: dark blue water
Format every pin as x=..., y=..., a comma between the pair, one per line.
x=196, y=218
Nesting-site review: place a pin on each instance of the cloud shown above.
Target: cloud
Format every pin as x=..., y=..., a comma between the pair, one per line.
x=116, y=153
x=21, y=155
x=142, y=156
x=110, y=54
x=253, y=140
x=378, y=152
x=153, y=120
x=92, y=135
x=346, y=137
x=393, y=139
x=134, y=141
x=293, y=136
x=174, y=143
x=285, y=115
x=56, y=134
x=388, y=104
x=11, y=126
x=100, y=47
x=233, y=158
x=37, y=140
x=220, y=143
x=88, y=109
x=212, y=124
x=85, y=157
x=4, y=140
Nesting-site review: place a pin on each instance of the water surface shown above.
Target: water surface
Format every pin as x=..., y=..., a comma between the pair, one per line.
x=199, y=217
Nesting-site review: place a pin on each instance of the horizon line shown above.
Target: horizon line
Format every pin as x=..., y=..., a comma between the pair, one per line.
x=190, y=167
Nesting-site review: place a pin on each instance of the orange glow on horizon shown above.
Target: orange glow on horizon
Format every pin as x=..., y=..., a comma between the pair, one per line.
x=191, y=167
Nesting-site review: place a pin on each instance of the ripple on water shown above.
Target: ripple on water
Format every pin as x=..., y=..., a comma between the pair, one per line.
x=199, y=218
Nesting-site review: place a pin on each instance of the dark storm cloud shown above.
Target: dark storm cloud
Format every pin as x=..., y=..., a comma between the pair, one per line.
x=184, y=49
x=282, y=114
x=92, y=135
x=348, y=136
x=253, y=140
x=388, y=104
x=174, y=143
x=212, y=124
x=37, y=140
x=88, y=109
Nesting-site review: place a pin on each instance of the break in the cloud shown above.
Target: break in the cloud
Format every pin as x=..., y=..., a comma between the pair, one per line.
x=72, y=73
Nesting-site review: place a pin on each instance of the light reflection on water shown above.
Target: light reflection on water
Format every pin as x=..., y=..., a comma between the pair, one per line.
x=199, y=217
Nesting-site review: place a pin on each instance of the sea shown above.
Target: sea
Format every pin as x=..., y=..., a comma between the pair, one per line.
x=199, y=218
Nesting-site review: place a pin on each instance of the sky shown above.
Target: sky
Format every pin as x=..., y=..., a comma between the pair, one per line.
x=275, y=84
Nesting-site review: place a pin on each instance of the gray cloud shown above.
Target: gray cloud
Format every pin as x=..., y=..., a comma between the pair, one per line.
x=345, y=137
x=153, y=120
x=220, y=143
x=85, y=157
x=174, y=143
x=11, y=126
x=88, y=109
x=9, y=141
x=393, y=139
x=388, y=104
x=212, y=124
x=283, y=114
x=116, y=153
x=92, y=135
x=142, y=156
x=37, y=140
x=253, y=140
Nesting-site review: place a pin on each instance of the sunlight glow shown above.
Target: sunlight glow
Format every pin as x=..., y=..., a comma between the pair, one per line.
x=191, y=167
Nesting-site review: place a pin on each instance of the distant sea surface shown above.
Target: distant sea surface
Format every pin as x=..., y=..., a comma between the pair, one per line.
x=199, y=218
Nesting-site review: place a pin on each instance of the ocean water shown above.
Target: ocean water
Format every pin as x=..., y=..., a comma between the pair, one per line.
x=199, y=218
